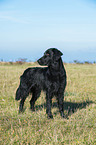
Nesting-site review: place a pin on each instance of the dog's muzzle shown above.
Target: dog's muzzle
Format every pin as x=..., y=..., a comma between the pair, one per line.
x=40, y=61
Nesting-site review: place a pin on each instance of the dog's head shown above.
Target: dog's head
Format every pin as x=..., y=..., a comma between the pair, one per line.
x=50, y=56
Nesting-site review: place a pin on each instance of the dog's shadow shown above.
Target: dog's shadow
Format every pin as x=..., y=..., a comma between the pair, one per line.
x=69, y=107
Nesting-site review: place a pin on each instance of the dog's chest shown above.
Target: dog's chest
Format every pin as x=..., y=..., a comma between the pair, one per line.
x=55, y=87
x=54, y=84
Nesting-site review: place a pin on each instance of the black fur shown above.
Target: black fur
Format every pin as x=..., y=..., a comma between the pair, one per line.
x=51, y=79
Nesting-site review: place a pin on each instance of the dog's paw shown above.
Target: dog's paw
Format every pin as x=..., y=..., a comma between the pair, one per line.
x=50, y=116
x=32, y=109
x=21, y=111
x=64, y=116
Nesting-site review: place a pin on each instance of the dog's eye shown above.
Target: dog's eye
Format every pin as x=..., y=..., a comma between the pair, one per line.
x=47, y=54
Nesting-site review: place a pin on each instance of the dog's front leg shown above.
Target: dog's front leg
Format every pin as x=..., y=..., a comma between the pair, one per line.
x=48, y=105
x=60, y=100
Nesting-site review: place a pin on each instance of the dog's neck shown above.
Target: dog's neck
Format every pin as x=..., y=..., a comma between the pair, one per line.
x=56, y=67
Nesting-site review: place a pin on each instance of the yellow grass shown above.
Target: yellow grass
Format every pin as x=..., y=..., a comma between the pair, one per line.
x=33, y=127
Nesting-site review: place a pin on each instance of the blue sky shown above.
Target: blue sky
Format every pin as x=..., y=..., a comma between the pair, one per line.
x=28, y=28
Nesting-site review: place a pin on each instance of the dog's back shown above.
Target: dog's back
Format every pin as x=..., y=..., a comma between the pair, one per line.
x=34, y=77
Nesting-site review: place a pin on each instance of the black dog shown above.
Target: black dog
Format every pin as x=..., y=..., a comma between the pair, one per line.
x=51, y=79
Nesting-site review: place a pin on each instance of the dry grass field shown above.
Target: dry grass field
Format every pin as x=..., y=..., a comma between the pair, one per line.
x=33, y=128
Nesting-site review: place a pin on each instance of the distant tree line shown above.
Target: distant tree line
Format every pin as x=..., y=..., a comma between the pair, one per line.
x=24, y=60
x=84, y=62
x=19, y=61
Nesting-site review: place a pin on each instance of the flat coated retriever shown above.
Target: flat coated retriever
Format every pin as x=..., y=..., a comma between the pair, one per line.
x=51, y=79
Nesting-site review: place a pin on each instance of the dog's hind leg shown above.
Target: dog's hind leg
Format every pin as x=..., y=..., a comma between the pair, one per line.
x=35, y=95
x=21, y=104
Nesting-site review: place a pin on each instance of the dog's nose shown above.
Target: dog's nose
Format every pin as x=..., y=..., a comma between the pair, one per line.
x=38, y=60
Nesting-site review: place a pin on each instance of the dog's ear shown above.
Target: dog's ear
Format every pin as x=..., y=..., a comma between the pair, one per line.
x=57, y=54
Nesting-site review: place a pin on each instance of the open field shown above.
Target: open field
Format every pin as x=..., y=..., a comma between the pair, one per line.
x=33, y=128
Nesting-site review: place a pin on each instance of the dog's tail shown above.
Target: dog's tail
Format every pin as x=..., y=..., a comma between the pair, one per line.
x=22, y=92
x=18, y=96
